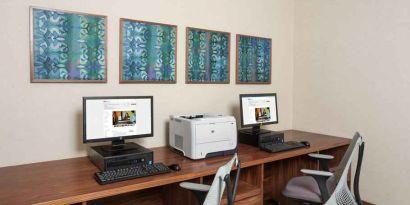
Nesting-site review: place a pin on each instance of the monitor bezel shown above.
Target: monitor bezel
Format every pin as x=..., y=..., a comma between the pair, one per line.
x=258, y=95
x=85, y=140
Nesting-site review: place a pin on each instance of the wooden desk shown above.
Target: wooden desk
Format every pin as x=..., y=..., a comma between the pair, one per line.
x=71, y=181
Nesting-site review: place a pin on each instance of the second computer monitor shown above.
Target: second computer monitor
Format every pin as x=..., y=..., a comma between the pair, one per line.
x=258, y=109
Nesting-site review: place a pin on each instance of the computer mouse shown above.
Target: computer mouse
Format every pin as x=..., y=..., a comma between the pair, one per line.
x=306, y=143
x=175, y=167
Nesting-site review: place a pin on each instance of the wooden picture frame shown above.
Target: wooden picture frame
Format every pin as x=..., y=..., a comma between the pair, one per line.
x=131, y=72
x=70, y=63
x=213, y=71
x=253, y=75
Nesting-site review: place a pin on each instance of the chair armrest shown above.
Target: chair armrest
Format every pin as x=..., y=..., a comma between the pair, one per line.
x=321, y=156
x=321, y=178
x=195, y=186
x=323, y=160
x=317, y=173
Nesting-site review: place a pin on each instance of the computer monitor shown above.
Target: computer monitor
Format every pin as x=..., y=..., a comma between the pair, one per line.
x=116, y=119
x=258, y=109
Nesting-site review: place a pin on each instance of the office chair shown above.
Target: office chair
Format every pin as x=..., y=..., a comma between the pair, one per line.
x=324, y=187
x=212, y=194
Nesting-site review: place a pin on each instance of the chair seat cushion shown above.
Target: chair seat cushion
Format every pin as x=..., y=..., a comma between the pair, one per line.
x=303, y=188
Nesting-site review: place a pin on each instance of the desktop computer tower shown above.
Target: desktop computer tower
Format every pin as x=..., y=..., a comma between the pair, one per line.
x=106, y=159
x=247, y=136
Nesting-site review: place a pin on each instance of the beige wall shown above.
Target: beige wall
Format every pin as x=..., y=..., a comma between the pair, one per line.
x=352, y=72
x=338, y=66
x=43, y=121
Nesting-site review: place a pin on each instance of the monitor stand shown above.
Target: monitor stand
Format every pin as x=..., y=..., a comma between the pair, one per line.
x=255, y=130
x=119, y=146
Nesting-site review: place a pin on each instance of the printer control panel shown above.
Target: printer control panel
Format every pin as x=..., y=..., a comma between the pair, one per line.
x=192, y=116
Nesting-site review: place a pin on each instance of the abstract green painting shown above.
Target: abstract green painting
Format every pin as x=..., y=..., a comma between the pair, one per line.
x=207, y=59
x=67, y=46
x=253, y=61
x=148, y=52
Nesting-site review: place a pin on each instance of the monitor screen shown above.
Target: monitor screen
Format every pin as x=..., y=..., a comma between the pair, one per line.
x=258, y=109
x=112, y=118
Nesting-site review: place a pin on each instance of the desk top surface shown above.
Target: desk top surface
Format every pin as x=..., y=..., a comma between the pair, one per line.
x=72, y=180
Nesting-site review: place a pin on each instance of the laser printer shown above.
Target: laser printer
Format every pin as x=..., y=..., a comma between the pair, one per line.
x=203, y=135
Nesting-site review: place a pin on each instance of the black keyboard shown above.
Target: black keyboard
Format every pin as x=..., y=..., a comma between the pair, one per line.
x=107, y=177
x=271, y=147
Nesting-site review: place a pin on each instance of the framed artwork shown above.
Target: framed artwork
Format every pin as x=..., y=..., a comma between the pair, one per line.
x=207, y=56
x=253, y=60
x=67, y=47
x=147, y=52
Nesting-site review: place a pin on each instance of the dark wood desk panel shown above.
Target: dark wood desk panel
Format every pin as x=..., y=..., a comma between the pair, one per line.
x=252, y=155
x=71, y=180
